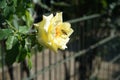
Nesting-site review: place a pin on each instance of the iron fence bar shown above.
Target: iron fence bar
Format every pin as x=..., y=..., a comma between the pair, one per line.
x=67, y=74
x=74, y=56
x=36, y=60
x=69, y=66
x=43, y=64
x=74, y=70
x=60, y=70
x=81, y=34
x=50, y=56
x=3, y=59
x=21, y=70
x=55, y=69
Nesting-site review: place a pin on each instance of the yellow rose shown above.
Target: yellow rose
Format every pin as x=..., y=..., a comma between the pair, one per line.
x=53, y=32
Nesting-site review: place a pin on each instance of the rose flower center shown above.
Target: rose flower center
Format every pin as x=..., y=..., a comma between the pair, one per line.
x=60, y=31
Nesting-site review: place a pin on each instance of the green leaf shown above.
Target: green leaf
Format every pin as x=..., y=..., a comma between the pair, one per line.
x=39, y=47
x=22, y=55
x=29, y=55
x=3, y=3
x=23, y=29
x=23, y=51
x=27, y=45
x=29, y=60
x=29, y=19
x=15, y=22
x=15, y=2
x=4, y=33
x=8, y=11
x=104, y=3
x=10, y=25
x=11, y=41
x=12, y=54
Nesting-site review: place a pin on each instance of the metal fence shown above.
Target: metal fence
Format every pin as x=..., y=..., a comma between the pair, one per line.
x=90, y=56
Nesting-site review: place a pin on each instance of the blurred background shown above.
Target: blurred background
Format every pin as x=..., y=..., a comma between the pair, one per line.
x=93, y=52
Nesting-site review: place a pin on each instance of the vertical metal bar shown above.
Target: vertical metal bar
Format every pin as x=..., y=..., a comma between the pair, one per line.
x=3, y=60
x=79, y=45
x=79, y=40
x=43, y=64
x=60, y=70
x=82, y=67
x=72, y=62
x=36, y=63
x=50, y=64
x=43, y=53
x=83, y=35
x=66, y=68
x=74, y=70
x=21, y=71
x=58, y=67
x=59, y=74
x=69, y=66
x=85, y=45
x=10, y=70
x=73, y=47
x=55, y=69
x=93, y=24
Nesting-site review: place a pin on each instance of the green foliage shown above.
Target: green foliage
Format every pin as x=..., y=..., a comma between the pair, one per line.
x=11, y=41
x=22, y=53
x=11, y=55
x=16, y=23
x=4, y=33
x=3, y=4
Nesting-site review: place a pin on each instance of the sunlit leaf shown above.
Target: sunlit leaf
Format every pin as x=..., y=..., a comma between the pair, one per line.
x=15, y=22
x=29, y=60
x=29, y=18
x=4, y=33
x=11, y=41
x=23, y=29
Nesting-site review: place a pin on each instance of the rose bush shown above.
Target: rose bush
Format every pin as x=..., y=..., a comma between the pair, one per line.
x=53, y=33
